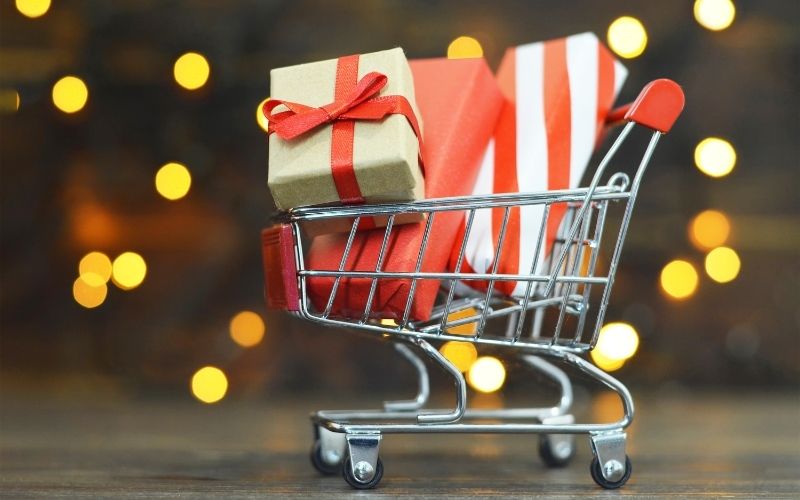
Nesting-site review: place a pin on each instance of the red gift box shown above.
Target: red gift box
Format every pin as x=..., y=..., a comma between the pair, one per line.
x=459, y=102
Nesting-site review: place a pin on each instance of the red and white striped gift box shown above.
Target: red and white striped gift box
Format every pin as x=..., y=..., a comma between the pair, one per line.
x=558, y=94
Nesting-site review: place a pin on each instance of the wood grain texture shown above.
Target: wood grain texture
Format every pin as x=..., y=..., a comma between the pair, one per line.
x=703, y=445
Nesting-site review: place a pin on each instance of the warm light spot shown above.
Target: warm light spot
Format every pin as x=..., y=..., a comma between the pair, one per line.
x=191, y=70
x=128, y=270
x=96, y=263
x=723, y=264
x=715, y=157
x=389, y=322
x=627, y=37
x=679, y=279
x=461, y=354
x=466, y=328
x=247, y=328
x=260, y=118
x=209, y=384
x=709, y=229
x=464, y=47
x=70, y=94
x=33, y=8
x=173, y=181
x=89, y=290
x=9, y=100
x=486, y=374
x=715, y=15
x=616, y=343
x=607, y=364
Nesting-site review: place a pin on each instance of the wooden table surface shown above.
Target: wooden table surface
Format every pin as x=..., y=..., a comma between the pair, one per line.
x=712, y=445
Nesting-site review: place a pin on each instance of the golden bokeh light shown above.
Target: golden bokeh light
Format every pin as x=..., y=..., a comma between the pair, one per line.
x=209, y=384
x=723, y=264
x=464, y=47
x=715, y=157
x=627, y=37
x=191, y=70
x=89, y=290
x=247, y=328
x=70, y=94
x=466, y=328
x=709, y=229
x=487, y=374
x=461, y=354
x=260, y=118
x=33, y=8
x=679, y=279
x=607, y=364
x=96, y=263
x=616, y=343
x=715, y=15
x=9, y=101
x=173, y=181
x=128, y=270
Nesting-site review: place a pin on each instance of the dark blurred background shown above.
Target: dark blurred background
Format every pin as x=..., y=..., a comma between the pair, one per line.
x=75, y=183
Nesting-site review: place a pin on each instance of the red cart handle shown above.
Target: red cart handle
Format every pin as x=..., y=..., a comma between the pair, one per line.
x=658, y=106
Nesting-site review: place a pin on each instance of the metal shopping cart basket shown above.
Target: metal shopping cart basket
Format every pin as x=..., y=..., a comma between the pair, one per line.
x=348, y=441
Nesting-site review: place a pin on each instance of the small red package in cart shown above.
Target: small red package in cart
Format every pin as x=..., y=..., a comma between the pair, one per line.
x=459, y=102
x=558, y=94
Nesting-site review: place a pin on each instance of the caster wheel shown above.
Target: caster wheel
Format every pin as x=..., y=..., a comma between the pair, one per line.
x=321, y=465
x=597, y=474
x=347, y=472
x=556, y=453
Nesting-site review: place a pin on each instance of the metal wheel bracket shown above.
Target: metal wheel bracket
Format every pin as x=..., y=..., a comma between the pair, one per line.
x=332, y=446
x=363, y=449
x=609, y=448
x=560, y=444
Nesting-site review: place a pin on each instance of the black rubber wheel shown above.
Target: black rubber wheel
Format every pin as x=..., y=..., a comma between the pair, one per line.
x=549, y=457
x=319, y=464
x=597, y=474
x=347, y=472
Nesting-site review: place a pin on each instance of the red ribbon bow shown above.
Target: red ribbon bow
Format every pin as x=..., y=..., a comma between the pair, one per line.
x=353, y=101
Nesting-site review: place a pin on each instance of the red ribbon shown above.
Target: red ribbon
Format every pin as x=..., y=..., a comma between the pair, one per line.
x=353, y=100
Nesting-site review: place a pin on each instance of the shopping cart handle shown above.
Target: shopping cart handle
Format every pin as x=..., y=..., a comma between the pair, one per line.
x=658, y=106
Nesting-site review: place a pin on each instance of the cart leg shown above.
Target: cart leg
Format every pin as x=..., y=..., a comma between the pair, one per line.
x=363, y=468
x=556, y=450
x=423, y=383
x=328, y=450
x=458, y=378
x=610, y=466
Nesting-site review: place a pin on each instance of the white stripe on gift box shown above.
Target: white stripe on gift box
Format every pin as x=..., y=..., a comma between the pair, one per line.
x=480, y=248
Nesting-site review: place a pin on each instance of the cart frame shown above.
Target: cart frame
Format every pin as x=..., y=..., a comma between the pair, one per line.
x=349, y=440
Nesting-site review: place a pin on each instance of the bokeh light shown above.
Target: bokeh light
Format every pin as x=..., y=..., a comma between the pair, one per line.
x=9, y=101
x=173, y=181
x=723, y=264
x=191, y=70
x=97, y=264
x=260, y=118
x=616, y=343
x=466, y=328
x=89, y=290
x=209, y=384
x=679, y=279
x=487, y=374
x=715, y=15
x=715, y=157
x=464, y=47
x=709, y=229
x=33, y=8
x=70, y=94
x=627, y=37
x=247, y=328
x=461, y=354
x=128, y=270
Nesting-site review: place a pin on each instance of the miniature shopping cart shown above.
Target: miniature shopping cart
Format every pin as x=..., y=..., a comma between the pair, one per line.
x=559, y=317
